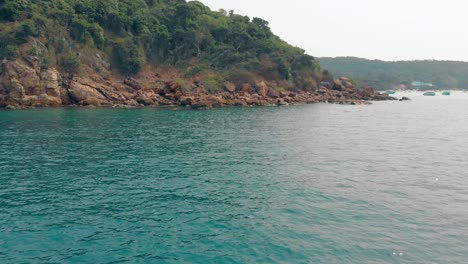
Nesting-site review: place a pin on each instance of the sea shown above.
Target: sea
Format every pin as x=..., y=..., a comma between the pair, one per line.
x=312, y=183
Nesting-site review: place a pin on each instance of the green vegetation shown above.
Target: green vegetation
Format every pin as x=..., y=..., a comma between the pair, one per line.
x=386, y=75
x=131, y=33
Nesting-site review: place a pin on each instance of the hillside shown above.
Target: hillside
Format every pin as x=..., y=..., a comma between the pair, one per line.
x=150, y=52
x=387, y=75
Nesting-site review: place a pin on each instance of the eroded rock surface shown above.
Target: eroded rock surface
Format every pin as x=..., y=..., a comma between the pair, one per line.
x=24, y=84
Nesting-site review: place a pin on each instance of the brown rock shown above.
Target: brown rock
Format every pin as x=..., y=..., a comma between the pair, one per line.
x=24, y=86
x=281, y=102
x=162, y=92
x=178, y=94
x=247, y=88
x=368, y=91
x=199, y=91
x=85, y=94
x=91, y=102
x=283, y=94
x=202, y=104
x=253, y=101
x=272, y=93
x=51, y=80
x=17, y=91
x=209, y=101
x=186, y=100
x=196, y=81
x=133, y=83
x=144, y=100
x=230, y=87
x=172, y=86
x=131, y=102
x=262, y=89
x=19, y=80
x=338, y=85
x=239, y=102
x=33, y=62
x=12, y=107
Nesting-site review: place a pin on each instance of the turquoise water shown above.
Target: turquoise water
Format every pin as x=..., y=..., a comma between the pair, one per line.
x=385, y=183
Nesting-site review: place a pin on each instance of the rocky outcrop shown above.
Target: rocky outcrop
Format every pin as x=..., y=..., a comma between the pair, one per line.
x=86, y=93
x=262, y=89
x=24, y=84
x=132, y=83
x=230, y=87
x=21, y=85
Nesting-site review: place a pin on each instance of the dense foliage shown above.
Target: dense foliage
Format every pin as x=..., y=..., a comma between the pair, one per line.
x=175, y=32
x=386, y=75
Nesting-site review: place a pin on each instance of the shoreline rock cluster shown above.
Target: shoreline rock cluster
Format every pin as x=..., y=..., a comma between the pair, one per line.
x=23, y=85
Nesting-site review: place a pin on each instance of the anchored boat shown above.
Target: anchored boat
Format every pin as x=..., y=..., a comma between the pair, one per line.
x=446, y=93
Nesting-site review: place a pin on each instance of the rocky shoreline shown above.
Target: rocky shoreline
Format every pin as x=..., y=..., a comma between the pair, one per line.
x=24, y=85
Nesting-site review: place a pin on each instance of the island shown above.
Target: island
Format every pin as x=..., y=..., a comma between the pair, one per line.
x=124, y=53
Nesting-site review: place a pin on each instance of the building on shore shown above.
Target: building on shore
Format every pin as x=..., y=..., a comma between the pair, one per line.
x=421, y=85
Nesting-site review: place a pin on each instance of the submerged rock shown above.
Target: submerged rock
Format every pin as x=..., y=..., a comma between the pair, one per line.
x=281, y=102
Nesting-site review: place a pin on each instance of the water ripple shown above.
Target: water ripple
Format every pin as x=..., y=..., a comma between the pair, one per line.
x=302, y=184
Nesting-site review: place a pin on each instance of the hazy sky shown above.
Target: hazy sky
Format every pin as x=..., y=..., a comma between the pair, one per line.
x=374, y=29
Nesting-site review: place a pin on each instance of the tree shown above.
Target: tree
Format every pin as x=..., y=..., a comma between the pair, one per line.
x=13, y=10
x=129, y=57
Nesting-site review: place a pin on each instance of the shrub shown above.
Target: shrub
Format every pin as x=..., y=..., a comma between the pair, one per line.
x=129, y=57
x=71, y=62
x=13, y=10
x=27, y=29
x=8, y=52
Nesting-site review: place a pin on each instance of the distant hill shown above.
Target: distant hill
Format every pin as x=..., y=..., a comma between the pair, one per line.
x=384, y=75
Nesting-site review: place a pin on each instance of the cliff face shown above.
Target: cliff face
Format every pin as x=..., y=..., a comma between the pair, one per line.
x=24, y=84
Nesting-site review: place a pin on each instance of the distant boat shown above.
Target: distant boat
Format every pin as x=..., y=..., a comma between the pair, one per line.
x=446, y=93
x=391, y=92
x=429, y=94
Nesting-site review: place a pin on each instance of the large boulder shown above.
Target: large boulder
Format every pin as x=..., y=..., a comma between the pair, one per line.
x=230, y=87
x=19, y=80
x=144, y=100
x=172, y=86
x=133, y=83
x=51, y=80
x=209, y=101
x=186, y=100
x=281, y=102
x=262, y=89
x=338, y=85
x=22, y=85
x=247, y=88
x=272, y=93
x=85, y=93
x=16, y=91
x=368, y=91
x=283, y=94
